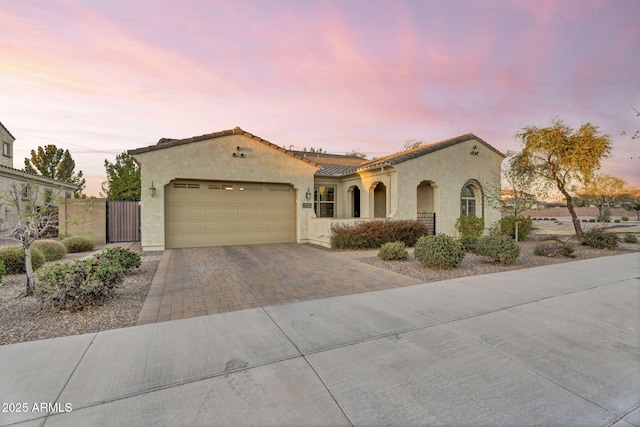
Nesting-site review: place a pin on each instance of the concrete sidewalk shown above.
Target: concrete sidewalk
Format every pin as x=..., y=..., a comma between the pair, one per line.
x=555, y=345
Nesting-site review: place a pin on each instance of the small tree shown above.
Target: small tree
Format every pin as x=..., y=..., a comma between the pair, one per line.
x=602, y=190
x=123, y=179
x=410, y=144
x=634, y=203
x=356, y=153
x=55, y=163
x=33, y=220
x=558, y=155
x=518, y=193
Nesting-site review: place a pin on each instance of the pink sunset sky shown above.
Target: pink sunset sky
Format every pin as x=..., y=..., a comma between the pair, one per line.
x=101, y=77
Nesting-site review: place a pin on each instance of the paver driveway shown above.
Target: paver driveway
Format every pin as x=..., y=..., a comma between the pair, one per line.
x=201, y=281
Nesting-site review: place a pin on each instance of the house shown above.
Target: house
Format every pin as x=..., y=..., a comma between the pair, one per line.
x=26, y=182
x=233, y=188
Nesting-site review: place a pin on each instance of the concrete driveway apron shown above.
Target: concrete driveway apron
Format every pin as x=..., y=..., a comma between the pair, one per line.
x=201, y=281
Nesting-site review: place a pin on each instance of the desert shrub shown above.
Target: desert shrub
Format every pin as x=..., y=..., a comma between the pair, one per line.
x=507, y=226
x=13, y=259
x=625, y=218
x=51, y=249
x=500, y=248
x=373, y=234
x=392, y=251
x=616, y=221
x=79, y=284
x=605, y=215
x=77, y=244
x=554, y=248
x=3, y=271
x=439, y=251
x=470, y=225
x=468, y=242
x=592, y=220
x=125, y=258
x=600, y=239
x=630, y=238
x=584, y=220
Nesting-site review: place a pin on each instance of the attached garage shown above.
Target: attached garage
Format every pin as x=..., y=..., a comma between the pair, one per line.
x=215, y=213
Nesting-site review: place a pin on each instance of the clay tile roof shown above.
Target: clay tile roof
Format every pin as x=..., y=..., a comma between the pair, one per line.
x=333, y=164
x=422, y=150
x=170, y=142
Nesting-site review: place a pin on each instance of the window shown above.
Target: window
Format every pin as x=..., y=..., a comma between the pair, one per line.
x=468, y=201
x=48, y=196
x=325, y=201
x=6, y=149
x=26, y=192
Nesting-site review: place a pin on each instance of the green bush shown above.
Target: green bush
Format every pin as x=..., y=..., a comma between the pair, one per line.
x=625, y=218
x=507, y=227
x=3, y=271
x=592, y=220
x=373, y=234
x=79, y=284
x=600, y=239
x=77, y=244
x=616, y=221
x=125, y=258
x=468, y=243
x=439, y=251
x=630, y=238
x=13, y=259
x=392, y=251
x=498, y=248
x=554, y=248
x=51, y=249
x=470, y=225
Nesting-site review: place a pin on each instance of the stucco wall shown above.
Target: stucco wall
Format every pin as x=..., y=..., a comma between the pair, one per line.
x=449, y=169
x=6, y=137
x=84, y=217
x=213, y=159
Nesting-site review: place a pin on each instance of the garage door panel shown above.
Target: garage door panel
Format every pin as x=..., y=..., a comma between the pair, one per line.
x=219, y=214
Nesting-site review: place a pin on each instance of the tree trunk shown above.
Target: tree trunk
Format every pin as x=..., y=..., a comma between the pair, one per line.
x=574, y=216
x=31, y=278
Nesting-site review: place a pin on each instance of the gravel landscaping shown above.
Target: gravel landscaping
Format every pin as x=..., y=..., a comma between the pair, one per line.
x=22, y=318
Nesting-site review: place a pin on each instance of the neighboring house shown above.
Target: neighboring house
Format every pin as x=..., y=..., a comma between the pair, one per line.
x=234, y=188
x=47, y=188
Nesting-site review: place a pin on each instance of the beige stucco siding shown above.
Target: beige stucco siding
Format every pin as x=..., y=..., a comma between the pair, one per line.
x=449, y=169
x=213, y=159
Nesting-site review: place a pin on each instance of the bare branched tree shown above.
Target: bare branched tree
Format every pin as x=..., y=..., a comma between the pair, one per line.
x=35, y=213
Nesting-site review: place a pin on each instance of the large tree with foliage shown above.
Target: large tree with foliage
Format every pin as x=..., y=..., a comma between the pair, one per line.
x=603, y=190
x=123, y=179
x=55, y=163
x=559, y=155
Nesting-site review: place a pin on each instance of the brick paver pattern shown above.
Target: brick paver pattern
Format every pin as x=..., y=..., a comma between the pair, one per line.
x=202, y=281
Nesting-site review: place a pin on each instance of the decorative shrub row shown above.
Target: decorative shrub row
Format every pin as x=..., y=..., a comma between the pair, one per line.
x=13, y=258
x=77, y=244
x=498, y=248
x=553, y=247
x=51, y=249
x=630, y=238
x=79, y=284
x=600, y=239
x=393, y=251
x=439, y=251
x=373, y=234
x=468, y=243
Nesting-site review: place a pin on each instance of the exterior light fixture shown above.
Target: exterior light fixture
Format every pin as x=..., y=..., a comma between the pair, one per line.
x=308, y=193
x=152, y=190
x=474, y=150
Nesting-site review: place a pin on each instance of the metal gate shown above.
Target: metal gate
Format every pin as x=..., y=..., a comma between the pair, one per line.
x=123, y=221
x=428, y=218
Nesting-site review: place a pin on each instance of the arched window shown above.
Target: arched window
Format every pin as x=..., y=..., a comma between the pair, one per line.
x=468, y=201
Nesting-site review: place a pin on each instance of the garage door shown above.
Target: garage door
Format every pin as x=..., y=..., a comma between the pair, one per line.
x=218, y=214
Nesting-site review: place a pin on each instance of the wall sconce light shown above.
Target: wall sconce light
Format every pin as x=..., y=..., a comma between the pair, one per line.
x=474, y=150
x=152, y=190
x=308, y=194
x=236, y=155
